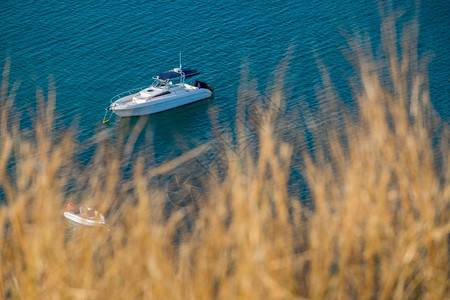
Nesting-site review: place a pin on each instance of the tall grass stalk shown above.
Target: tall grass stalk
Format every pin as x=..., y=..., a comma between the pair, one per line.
x=379, y=227
x=381, y=223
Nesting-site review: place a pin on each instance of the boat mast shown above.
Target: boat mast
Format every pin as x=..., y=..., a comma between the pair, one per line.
x=181, y=71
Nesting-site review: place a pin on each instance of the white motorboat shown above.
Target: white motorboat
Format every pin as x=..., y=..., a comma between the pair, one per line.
x=87, y=216
x=163, y=94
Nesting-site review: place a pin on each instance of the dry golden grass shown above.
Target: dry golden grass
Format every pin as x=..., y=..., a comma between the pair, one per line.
x=379, y=228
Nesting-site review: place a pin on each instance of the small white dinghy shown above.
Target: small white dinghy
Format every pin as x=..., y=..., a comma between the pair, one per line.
x=87, y=216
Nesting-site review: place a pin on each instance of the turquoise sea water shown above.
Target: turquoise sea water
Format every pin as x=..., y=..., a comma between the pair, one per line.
x=97, y=49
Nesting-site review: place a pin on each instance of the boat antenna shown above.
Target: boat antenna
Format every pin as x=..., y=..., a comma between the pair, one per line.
x=180, y=59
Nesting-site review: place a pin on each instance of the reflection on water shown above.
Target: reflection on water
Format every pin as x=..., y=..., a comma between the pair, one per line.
x=169, y=133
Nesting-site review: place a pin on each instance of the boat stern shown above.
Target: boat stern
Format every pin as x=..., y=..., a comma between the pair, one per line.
x=202, y=85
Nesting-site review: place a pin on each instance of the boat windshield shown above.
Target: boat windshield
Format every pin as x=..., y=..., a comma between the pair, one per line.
x=158, y=83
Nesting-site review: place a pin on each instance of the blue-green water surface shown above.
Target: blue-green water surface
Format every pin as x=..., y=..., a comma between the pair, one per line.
x=97, y=49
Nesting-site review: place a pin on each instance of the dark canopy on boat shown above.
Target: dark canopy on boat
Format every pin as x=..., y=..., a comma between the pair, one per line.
x=172, y=74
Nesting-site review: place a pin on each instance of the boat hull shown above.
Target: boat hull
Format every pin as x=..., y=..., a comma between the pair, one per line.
x=85, y=221
x=125, y=108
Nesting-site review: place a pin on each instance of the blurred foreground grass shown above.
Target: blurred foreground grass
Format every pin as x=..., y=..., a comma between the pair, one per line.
x=380, y=225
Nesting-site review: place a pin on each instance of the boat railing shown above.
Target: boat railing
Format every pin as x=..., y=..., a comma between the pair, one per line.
x=127, y=93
